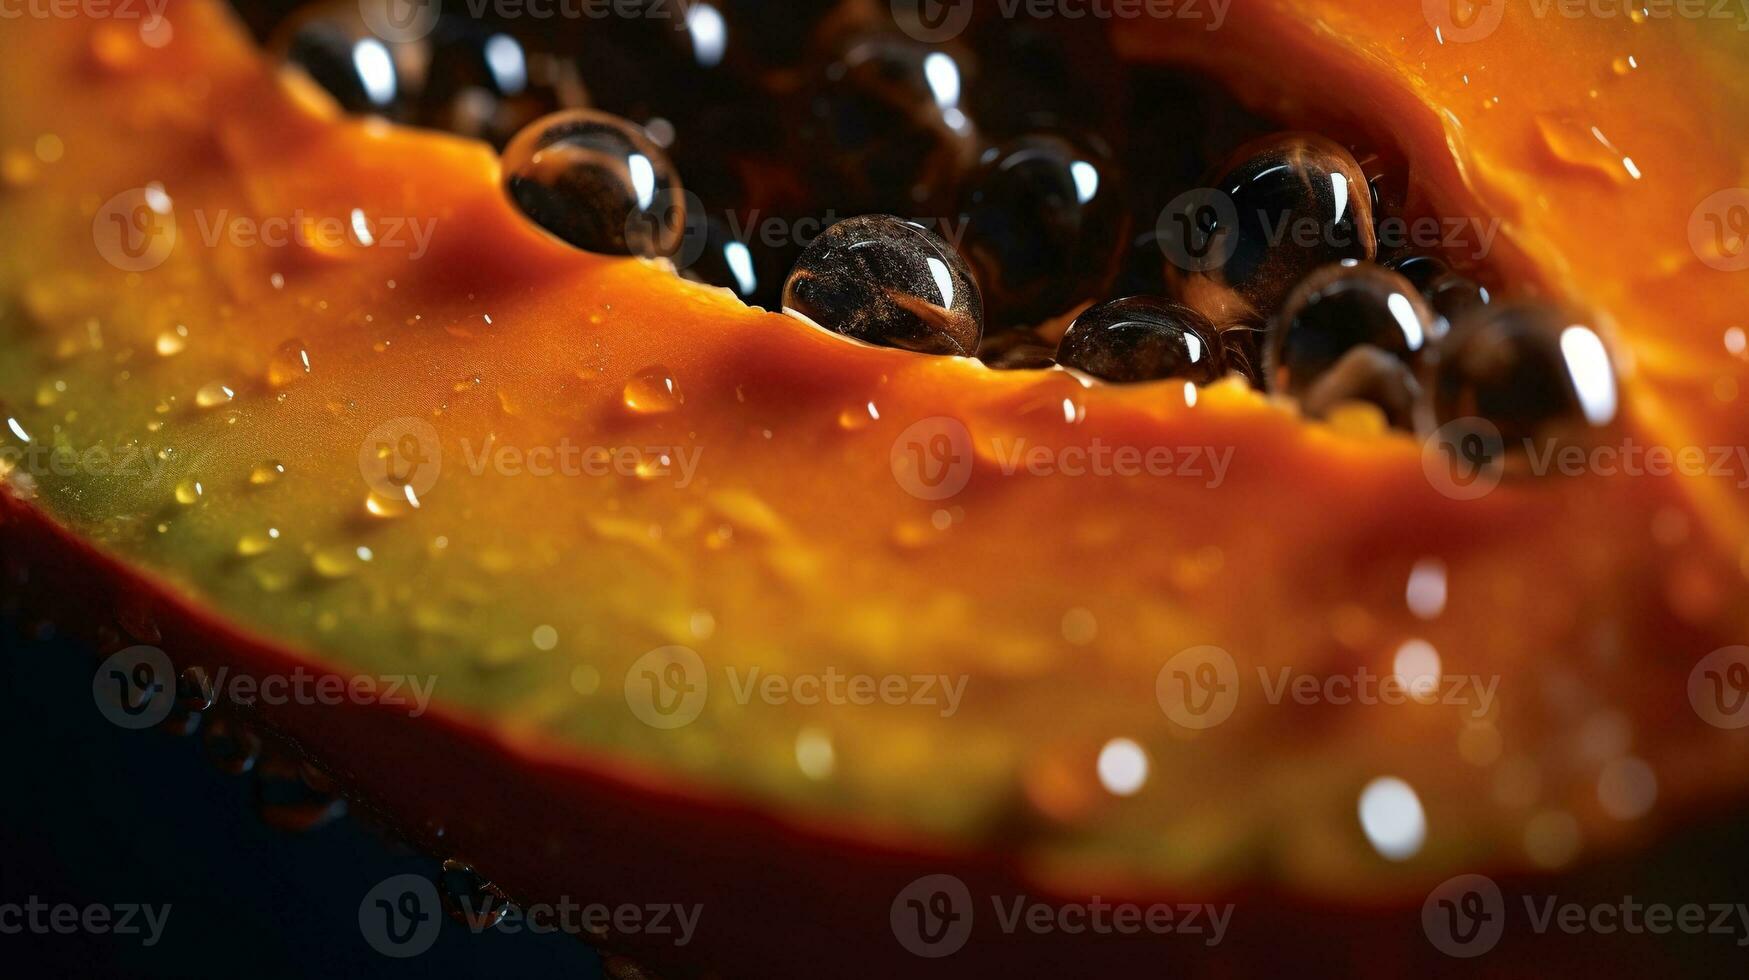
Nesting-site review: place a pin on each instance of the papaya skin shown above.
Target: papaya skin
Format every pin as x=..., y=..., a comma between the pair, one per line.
x=1588, y=598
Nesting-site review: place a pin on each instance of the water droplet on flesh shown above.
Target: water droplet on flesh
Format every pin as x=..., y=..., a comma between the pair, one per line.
x=266, y=472
x=254, y=543
x=213, y=394
x=289, y=364
x=232, y=747
x=652, y=391
x=172, y=342
x=335, y=561
x=285, y=798
x=469, y=898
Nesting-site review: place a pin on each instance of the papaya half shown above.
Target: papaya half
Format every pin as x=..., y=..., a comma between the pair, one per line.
x=718, y=608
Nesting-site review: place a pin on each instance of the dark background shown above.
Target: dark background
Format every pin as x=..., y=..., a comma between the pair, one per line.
x=93, y=813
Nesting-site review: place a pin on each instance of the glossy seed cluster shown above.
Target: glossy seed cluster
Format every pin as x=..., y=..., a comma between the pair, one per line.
x=889, y=282
x=1016, y=193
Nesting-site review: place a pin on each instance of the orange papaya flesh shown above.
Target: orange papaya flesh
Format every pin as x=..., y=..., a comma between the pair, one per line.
x=790, y=546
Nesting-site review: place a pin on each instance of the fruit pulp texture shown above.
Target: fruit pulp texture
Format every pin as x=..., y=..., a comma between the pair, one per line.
x=733, y=486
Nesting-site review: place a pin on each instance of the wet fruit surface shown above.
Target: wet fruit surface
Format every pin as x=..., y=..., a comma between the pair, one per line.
x=890, y=282
x=793, y=543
